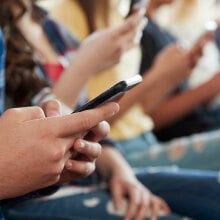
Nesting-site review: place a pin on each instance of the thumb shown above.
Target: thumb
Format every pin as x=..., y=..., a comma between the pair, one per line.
x=51, y=108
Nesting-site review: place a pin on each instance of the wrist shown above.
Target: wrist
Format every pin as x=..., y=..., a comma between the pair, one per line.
x=46, y=95
x=84, y=63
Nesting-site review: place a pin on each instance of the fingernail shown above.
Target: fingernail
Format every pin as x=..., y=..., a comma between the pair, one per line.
x=68, y=165
x=115, y=110
x=81, y=145
x=53, y=113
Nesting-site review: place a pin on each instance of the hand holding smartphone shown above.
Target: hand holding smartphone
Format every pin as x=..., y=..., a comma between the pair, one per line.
x=112, y=94
x=137, y=5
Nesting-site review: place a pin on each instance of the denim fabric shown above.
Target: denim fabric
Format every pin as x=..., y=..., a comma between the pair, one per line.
x=2, y=73
x=2, y=81
x=190, y=193
x=199, y=151
x=89, y=206
x=178, y=187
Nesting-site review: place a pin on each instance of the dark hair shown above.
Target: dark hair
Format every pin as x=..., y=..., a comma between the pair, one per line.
x=22, y=82
x=94, y=7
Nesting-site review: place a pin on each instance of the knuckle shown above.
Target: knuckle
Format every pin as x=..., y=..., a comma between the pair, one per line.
x=54, y=179
x=11, y=112
x=37, y=110
x=99, y=150
x=58, y=153
x=94, y=149
x=89, y=168
x=57, y=169
x=85, y=123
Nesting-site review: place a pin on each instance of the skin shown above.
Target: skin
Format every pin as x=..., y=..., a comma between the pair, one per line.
x=38, y=140
x=169, y=71
x=109, y=45
x=175, y=107
x=155, y=4
x=120, y=39
x=124, y=185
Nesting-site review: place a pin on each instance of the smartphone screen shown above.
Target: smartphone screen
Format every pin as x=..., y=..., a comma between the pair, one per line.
x=111, y=94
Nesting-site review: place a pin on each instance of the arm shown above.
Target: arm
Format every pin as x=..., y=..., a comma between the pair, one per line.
x=178, y=106
x=99, y=52
x=124, y=185
x=159, y=80
x=172, y=65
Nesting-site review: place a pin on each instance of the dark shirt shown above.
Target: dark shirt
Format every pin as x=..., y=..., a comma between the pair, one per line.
x=201, y=119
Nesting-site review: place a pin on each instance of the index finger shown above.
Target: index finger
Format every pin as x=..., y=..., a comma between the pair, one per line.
x=202, y=41
x=72, y=124
x=130, y=24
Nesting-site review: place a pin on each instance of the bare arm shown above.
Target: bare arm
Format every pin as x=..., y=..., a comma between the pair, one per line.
x=172, y=65
x=99, y=52
x=164, y=75
x=178, y=106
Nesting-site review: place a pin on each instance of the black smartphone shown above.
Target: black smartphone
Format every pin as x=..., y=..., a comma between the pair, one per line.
x=111, y=94
x=137, y=5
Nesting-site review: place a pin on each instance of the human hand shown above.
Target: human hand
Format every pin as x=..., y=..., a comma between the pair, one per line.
x=35, y=148
x=104, y=48
x=84, y=154
x=141, y=202
x=175, y=63
x=172, y=64
x=196, y=52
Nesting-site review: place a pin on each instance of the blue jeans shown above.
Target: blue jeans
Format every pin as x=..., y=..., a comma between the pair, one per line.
x=200, y=151
x=189, y=193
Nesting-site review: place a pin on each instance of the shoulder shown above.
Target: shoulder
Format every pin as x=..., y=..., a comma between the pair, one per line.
x=70, y=14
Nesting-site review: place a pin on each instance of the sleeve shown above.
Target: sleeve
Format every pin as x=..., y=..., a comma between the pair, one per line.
x=2, y=73
x=33, y=195
x=108, y=142
x=153, y=41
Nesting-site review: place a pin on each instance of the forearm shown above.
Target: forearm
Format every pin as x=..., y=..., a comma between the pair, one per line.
x=150, y=92
x=111, y=161
x=178, y=106
x=71, y=83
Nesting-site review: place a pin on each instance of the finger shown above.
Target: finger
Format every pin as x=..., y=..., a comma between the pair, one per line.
x=133, y=203
x=91, y=150
x=98, y=132
x=24, y=114
x=68, y=125
x=153, y=209
x=51, y=108
x=144, y=207
x=80, y=168
x=129, y=25
x=164, y=206
x=117, y=195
